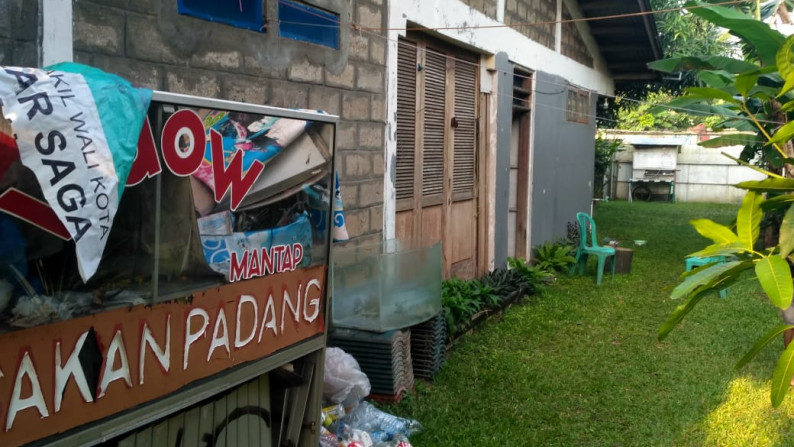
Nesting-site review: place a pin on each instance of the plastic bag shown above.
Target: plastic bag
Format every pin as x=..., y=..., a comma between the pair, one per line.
x=328, y=439
x=344, y=382
x=383, y=426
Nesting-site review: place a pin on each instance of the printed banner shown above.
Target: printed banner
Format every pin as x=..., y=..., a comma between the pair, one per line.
x=77, y=129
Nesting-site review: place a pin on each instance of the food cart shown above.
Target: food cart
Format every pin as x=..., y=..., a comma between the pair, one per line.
x=203, y=319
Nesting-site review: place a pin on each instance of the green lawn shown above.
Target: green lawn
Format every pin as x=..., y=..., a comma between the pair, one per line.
x=581, y=366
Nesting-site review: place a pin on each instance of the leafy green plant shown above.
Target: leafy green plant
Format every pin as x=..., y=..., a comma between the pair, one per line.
x=605, y=149
x=461, y=299
x=754, y=95
x=534, y=276
x=505, y=282
x=554, y=257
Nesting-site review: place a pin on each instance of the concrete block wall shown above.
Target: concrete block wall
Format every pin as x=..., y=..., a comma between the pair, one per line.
x=150, y=44
x=487, y=7
x=19, y=32
x=526, y=13
x=573, y=44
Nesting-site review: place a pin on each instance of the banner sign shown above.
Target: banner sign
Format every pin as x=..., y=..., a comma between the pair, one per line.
x=78, y=133
x=63, y=375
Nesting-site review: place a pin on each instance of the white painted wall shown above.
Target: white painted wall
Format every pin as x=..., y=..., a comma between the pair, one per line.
x=703, y=174
x=57, y=36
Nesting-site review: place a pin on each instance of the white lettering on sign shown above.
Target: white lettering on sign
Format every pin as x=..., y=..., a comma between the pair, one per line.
x=265, y=261
x=238, y=341
x=190, y=336
x=116, y=351
x=244, y=323
x=72, y=368
x=26, y=373
x=163, y=356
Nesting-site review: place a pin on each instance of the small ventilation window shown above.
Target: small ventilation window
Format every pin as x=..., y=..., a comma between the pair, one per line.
x=578, y=105
x=308, y=24
x=246, y=14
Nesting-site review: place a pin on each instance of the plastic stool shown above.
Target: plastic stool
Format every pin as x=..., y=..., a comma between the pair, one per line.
x=697, y=262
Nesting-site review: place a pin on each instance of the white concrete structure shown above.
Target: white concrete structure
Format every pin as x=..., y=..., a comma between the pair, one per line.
x=702, y=174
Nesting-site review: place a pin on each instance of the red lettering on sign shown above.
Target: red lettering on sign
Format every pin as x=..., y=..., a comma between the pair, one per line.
x=231, y=178
x=32, y=211
x=183, y=142
x=146, y=163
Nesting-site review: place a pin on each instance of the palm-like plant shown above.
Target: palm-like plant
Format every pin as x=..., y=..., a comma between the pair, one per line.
x=753, y=95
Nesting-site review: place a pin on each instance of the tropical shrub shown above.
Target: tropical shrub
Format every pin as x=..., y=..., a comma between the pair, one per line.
x=753, y=95
x=461, y=299
x=554, y=257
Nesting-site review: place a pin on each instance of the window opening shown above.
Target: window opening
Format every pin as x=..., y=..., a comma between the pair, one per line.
x=308, y=24
x=246, y=14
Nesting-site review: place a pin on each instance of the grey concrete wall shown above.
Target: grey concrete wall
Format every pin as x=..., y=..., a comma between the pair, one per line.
x=150, y=44
x=19, y=24
x=562, y=162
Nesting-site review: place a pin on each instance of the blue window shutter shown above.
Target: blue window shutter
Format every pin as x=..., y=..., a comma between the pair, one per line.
x=308, y=24
x=240, y=13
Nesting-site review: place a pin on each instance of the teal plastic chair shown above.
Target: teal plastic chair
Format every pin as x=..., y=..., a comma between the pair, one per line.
x=693, y=262
x=588, y=246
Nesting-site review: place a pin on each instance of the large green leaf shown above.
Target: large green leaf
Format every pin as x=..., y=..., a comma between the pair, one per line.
x=755, y=33
x=678, y=315
x=777, y=202
x=712, y=93
x=785, y=64
x=748, y=219
x=708, y=277
x=781, y=378
x=775, y=278
x=787, y=231
x=730, y=249
x=719, y=234
x=684, y=63
x=745, y=83
x=769, y=185
x=763, y=341
x=785, y=133
x=736, y=139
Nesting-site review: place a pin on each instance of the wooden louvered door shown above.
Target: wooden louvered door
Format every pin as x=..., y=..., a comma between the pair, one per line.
x=436, y=169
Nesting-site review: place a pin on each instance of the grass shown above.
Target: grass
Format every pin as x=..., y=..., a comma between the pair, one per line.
x=581, y=365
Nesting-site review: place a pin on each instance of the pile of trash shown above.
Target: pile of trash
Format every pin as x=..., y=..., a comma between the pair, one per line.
x=348, y=420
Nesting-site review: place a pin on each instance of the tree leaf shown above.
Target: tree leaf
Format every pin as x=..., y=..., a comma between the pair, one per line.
x=736, y=139
x=786, y=232
x=719, y=234
x=745, y=83
x=763, y=39
x=785, y=133
x=748, y=219
x=712, y=93
x=730, y=249
x=775, y=278
x=777, y=202
x=785, y=64
x=708, y=277
x=763, y=341
x=678, y=315
x=781, y=378
x=769, y=185
x=676, y=64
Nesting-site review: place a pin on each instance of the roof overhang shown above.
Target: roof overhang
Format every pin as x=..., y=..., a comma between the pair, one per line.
x=626, y=35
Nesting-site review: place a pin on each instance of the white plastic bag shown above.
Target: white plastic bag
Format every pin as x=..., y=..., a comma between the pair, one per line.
x=344, y=382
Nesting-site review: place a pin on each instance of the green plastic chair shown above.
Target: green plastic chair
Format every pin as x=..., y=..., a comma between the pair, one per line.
x=589, y=246
x=693, y=262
